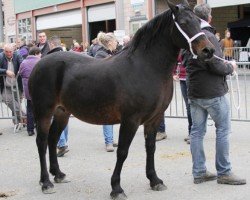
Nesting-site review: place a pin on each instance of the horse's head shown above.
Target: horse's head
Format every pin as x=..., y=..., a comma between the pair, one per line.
x=187, y=31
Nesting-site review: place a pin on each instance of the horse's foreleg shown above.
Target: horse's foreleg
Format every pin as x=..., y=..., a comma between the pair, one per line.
x=59, y=123
x=42, y=141
x=126, y=135
x=150, y=135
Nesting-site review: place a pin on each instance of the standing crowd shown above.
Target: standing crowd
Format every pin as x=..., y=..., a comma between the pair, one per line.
x=203, y=86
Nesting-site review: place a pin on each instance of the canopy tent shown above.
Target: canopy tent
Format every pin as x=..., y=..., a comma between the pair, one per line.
x=240, y=30
x=242, y=23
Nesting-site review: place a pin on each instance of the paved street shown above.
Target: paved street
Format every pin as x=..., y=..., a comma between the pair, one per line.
x=89, y=167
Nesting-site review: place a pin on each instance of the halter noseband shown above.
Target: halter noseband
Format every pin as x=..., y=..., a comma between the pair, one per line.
x=189, y=40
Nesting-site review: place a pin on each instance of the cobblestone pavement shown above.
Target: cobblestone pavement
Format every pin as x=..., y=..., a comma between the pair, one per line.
x=89, y=167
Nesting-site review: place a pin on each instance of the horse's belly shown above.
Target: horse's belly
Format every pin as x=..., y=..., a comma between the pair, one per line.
x=98, y=116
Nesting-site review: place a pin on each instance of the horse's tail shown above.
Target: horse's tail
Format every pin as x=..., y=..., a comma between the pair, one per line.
x=60, y=76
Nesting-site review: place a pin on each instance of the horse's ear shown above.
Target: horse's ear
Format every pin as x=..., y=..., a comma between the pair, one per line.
x=172, y=7
x=185, y=3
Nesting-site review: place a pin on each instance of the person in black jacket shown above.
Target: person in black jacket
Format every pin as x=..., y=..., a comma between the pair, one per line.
x=207, y=88
x=43, y=43
x=54, y=44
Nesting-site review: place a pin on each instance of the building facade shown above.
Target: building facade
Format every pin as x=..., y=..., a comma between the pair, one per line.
x=9, y=21
x=83, y=19
x=232, y=15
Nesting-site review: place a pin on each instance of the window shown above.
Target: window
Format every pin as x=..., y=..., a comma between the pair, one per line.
x=135, y=25
x=24, y=29
x=11, y=39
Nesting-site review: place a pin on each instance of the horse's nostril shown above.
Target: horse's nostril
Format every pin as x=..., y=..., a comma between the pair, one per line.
x=208, y=52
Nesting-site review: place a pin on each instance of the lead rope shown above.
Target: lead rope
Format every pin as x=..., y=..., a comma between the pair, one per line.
x=234, y=74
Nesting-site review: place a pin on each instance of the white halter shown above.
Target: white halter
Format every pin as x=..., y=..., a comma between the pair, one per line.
x=189, y=40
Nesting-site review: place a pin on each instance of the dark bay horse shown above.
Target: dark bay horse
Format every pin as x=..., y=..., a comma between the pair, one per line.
x=132, y=88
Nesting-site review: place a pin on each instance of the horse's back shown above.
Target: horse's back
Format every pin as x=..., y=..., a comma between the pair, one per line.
x=47, y=78
x=77, y=83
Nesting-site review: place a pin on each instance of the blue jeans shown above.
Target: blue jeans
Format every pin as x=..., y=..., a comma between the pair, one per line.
x=219, y=110
x=30, y=118
x=108, y=134
x=162, y=127
x=63, y=138
x=183, y=85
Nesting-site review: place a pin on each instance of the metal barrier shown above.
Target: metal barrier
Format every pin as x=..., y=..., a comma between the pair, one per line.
x=177, y=108
x=10, y=100
x=239, y=54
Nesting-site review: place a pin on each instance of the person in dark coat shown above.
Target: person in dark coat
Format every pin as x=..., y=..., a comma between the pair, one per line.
x=94, y=47
x=54, y=45
x=108, y=44
x=43, y=43
x=207, y=88
x=10, y=62
x=25, y=70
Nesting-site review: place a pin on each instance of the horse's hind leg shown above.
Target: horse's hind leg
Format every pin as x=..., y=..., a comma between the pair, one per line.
x=59, y=123
x=127, y=132
x=150, y=131
x=43, y=126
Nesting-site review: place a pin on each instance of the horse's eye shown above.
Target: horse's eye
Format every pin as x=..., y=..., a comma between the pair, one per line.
x=182, y=22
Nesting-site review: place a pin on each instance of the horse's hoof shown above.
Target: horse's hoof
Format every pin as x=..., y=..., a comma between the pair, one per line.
x=159, y=187
x=48, y=190
x=118, y=196
x=61, y=180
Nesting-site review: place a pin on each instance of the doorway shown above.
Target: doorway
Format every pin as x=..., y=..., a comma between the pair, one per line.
x=105, y=26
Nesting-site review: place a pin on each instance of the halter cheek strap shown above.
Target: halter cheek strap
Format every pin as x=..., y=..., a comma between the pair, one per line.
x=189, y=40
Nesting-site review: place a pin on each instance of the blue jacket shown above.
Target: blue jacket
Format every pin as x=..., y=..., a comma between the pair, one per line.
x=17, y=60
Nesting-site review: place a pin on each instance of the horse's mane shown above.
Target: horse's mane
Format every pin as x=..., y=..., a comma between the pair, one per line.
x=148, y=33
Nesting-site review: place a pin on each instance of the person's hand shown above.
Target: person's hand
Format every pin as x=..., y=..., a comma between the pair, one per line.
x=10, y=74
x=176, y=77
x=233, y=63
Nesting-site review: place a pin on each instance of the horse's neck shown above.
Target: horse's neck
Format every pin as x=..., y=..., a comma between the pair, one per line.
x=164, y=54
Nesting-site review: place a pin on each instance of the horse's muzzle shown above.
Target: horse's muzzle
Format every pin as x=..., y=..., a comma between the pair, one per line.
x=207, y=52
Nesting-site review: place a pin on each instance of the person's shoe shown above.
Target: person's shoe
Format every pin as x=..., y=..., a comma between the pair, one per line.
x=109, y=148
x=231, y=179
x=161, y=136
x=62, y=151
x=115, y=144
x=208, y=176
x=187, y=138
x=30, y=133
